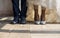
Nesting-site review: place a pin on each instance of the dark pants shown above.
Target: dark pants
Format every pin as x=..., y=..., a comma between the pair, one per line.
x=17, y=11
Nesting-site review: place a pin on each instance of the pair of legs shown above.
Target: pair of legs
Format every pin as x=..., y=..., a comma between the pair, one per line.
x=17, y=13
x=37, y=18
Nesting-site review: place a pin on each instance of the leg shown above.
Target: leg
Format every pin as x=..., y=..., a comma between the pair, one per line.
x=36, y=18
x=15, y=10
x=23, y=11
x=23, y=8
x=43, y=9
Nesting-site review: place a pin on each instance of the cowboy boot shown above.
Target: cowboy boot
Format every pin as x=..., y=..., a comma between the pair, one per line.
x=36, y=15
x=42, y=21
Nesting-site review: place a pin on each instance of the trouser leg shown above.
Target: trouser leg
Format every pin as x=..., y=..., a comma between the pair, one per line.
x=16, y=10
x=23, y=8
x=23, y=12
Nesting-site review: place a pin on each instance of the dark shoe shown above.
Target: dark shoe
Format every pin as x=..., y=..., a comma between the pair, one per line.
x=14, y=22
x=22, y=21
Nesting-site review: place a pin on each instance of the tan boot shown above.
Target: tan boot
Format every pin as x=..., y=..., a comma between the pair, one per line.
x=42, y=21
x=36, y=18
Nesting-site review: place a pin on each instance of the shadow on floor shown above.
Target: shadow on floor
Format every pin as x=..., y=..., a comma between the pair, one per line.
x=7, y=21
x=29, y=31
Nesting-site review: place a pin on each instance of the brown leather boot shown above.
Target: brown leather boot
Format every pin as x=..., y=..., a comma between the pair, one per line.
x=42, y=21
x=36, y=18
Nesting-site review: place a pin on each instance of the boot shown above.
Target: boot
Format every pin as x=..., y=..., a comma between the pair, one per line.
x=42, y=21
x=36, y=18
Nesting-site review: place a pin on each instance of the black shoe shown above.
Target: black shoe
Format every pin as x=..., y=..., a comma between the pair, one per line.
x=14, y=22
x=22, y=21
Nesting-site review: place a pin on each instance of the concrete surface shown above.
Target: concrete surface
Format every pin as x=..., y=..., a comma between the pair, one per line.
x=29, y=30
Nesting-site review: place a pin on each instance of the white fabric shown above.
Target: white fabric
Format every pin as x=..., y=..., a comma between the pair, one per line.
x=45, y=3
x=58, y=10
x=58, y=7
x=37, y=2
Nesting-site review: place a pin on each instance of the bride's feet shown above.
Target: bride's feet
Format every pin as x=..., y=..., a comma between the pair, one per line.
x=37, y=22
x=42, y=22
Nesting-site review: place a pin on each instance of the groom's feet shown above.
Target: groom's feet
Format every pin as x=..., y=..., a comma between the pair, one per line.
x=22, y=21
x=14, y=22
